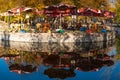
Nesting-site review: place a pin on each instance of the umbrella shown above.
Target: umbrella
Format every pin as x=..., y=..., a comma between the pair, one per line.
x=6, y=14
x=59, y=10
x=109, y=14
x=50, y=10
x=90, y=12
x=66, y=9
x=18, y=10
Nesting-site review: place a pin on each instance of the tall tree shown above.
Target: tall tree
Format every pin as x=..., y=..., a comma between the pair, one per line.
x=51, y=2
x=67, y=2
x=118, y=10
x=104, y=4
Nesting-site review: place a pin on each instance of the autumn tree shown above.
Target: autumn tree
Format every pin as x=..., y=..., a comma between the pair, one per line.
x=101, y=4
x=4, y=7
x=67, y=2
x=117, y=10
x=51, y=2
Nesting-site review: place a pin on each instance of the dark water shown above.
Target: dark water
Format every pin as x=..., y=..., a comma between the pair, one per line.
x=59, y=61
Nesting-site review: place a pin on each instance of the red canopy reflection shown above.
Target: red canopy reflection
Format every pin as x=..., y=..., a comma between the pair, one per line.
x=18, y=68
x=76, y=61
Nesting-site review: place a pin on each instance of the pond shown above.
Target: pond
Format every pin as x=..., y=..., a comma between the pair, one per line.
x=59, y=61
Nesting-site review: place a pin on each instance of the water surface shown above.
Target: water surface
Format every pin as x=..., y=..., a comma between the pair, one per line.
x=59, y=61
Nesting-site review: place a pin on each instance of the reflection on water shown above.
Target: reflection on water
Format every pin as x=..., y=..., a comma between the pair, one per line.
x=56, y=61
x=57, y=47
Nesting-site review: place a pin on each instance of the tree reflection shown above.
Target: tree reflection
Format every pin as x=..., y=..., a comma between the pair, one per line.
x=84, y=57
x=118, y=47
x=78, y=61
x=75, y=61
x=23, y=62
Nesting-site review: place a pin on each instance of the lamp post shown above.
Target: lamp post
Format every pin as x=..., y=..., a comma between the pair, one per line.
x=27, y=17
x=60, y=26
x=18, y=11
x=8, y=19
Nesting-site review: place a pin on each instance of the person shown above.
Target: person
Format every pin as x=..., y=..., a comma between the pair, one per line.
x=46, y=26
x=94, y=27
x=33, y=25
x=38, y=27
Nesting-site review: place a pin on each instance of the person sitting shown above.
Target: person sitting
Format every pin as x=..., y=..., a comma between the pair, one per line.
x=71, y=28
x=38, y=27
x=46, y=26
x=94, y=28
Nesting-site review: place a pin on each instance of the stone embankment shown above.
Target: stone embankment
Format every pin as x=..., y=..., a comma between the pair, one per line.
x=57, y=37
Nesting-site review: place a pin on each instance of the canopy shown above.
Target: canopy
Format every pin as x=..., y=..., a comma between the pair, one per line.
x=39, y=12
x=109, y=14
x=59, y=10
x=90, y=12
x=18, y=10
x=6, y=14
x=95, y=12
